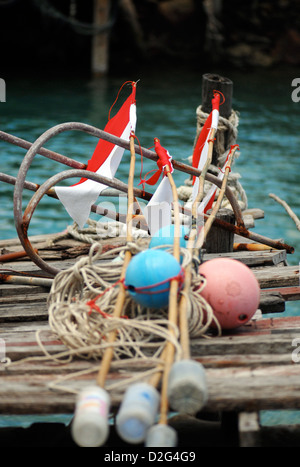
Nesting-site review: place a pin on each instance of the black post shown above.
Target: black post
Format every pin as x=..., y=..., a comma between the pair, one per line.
x=211, y=82
x=217, y=241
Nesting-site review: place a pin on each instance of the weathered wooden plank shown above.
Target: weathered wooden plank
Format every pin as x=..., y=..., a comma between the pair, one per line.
x=17, y=299
x=246, y=360
x=256, y=213
x=265, y=388
x=229, y=389
x=30, y=268
x=31, y=310
x=264, y=336
x=271, y=302
x=258, y=345
x=34, y=239
x=286, y=276
x=245, y=345
x=252, y=258
x=9, y=290
x=288, y=293
x=250, y=369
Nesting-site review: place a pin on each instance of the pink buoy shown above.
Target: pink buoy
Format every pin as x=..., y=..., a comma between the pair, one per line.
x=232, y=291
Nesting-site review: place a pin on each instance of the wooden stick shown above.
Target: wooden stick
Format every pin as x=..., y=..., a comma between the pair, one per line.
x=207, y=226
x=202, y=176
x=252, y=247
x=173, y=306
x=184, y=332
x=108, y=355
x=287, y=208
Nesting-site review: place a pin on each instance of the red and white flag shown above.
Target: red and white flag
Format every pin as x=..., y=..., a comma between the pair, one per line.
x=200, y=152
x=208, y=200
x=158, y=210
x=78, y=199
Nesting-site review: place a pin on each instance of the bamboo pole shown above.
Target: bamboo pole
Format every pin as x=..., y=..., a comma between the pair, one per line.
x=184, y=333
x=207, y=226
x=108, y=355
x=173, y=307
x=252, y=247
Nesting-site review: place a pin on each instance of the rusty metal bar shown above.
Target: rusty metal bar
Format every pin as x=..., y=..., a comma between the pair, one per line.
x=115, y=140
x=113, y=183
x=33, y=203
x=22, y=223
x=55, y=156
x=96, y=209
x=12, y=256
x=243, y=232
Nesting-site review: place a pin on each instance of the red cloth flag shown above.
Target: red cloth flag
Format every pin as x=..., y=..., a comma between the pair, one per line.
x=200, y=152
x=158, y=210
x=209, y=198
x=106, y=158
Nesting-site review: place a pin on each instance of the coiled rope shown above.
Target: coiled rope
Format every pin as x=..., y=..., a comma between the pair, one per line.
x=226, y=137
x=82, y=299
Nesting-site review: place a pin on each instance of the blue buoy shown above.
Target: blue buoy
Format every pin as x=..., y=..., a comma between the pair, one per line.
x=165, y=236
x=148, y=277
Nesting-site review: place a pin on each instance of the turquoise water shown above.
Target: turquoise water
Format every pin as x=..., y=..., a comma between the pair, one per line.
x=269, y=137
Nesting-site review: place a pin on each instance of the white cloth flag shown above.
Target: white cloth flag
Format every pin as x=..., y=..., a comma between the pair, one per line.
x=78, y=199
x=158, y=212
x=201, y=148
x=208, y=199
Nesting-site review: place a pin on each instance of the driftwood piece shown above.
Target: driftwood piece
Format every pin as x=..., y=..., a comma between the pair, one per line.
x=287, y=208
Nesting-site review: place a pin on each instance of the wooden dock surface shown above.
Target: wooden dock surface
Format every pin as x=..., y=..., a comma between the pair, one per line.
x=248, y=370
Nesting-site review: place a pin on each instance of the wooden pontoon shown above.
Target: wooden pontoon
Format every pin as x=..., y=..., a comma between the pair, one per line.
x=251, y=369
